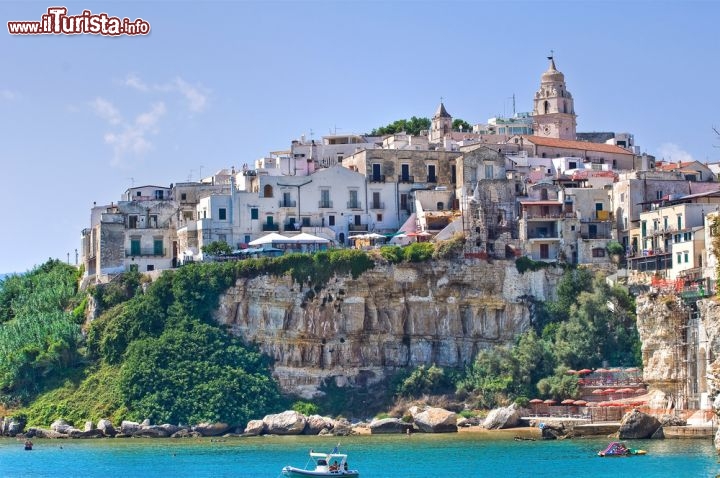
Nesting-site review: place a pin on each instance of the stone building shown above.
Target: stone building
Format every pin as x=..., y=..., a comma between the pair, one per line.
x=554, y=107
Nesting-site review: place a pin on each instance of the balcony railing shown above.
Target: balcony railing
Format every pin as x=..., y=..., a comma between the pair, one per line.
x=354, y=205
x=406, y=179
x=377, y=178
x=377, y=205
x=357, y=227
x=287, y=203
x=540, y=235
x=271, y=227
x=325, y=204
x=146, y=252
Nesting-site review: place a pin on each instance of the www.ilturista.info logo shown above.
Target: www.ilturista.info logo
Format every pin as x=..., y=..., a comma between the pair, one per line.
x=58, y=22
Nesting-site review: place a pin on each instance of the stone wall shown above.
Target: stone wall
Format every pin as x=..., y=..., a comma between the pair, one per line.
x=359, y=331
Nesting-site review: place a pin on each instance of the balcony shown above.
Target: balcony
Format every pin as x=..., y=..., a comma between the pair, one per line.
x=271, y=227
x=377, y=205
x=354, y=205
x=145, y=252
x=288, y=203
x=377, y=178
x=325, y=204
x=406, y=179
x=358, y=227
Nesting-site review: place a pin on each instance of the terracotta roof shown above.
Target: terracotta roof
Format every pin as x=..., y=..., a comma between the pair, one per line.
x=672, y=166
x=581, y=145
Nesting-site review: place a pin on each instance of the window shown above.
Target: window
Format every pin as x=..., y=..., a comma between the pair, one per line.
x=687, y=257
x=331, y=220
x=598, y=252
x=254, y=213
x=544, y=194
x=134, y=247
x=158, y=247
x=665, y=222
x=138, y=194
x=431, y=178
x=573, y=165
x=643, y=229
x=153, y=220
x=679, y=258
x=325, y=198
x=222, y=214
x=183, y=196
x=378, y=218
x=679, y=221
x=453, y=174
x=306, y=222
x=132, y=222
x=188, y=215
x=159, y=194
x=488, y=171
x=268, y=191
x=150, y=267
x=404, y=173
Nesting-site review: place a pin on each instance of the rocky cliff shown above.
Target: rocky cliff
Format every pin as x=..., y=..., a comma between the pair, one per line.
x=358, y=331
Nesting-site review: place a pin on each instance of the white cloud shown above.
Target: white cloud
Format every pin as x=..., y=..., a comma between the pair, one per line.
x=8, y=95
x=673, y=152
x=133, y=81
x=131, y=138
x=195, y=95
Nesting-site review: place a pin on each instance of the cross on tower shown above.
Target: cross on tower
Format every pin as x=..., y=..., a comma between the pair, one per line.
x=552, y=55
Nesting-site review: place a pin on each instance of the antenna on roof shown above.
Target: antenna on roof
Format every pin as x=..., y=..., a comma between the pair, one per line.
x=132, y=182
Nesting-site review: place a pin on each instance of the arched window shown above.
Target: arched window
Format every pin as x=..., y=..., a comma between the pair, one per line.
x=267, y=191
x=547, y=107
x=564, y=106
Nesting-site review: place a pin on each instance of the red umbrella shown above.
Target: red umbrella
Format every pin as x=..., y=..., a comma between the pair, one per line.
x=601, y=370
x=625, y=390
x=536, y=400
x=641, y=390
x=568, y=401
x=598, y=391
x=584, y=371
x=580, y=403
x=632, y=369
x=571, y=372
x=549, y=401
x=614, y=370
x=609, y=391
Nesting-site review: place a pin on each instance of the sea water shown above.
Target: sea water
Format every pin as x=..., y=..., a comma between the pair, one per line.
x=414, y=456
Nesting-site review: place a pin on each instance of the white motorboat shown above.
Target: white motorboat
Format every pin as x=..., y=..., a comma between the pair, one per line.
x=325, y=464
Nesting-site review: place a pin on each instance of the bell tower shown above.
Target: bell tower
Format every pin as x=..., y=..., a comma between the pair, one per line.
x=441, y=124
x=554, y=109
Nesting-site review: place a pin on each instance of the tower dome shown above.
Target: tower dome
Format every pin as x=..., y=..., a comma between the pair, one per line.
x=552, y=75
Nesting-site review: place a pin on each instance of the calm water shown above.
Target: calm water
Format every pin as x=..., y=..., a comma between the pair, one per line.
x=417, y=456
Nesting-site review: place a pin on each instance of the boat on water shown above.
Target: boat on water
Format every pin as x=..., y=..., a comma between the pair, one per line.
x=618, y=448
x=325, y=464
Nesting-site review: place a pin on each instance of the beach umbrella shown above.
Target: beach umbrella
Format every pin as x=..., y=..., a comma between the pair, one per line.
x=580, y=403
x=601, y=370
x=568, y=401
x=632, y=369
x=584, y=371
x=549, y=401
x=536, y=401
x=571, y=372
x=609, y=391
x=614, y=370
x=640, y=390
x=598, y=391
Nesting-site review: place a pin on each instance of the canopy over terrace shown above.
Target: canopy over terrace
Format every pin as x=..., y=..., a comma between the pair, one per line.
x=272, y=238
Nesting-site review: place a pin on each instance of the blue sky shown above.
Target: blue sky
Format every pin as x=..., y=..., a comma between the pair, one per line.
x=219, y=84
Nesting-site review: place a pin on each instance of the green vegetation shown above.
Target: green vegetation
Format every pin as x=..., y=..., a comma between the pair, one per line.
x=217, y=248
x=306, y=408
x=614, y=248
x=461, y=125
x=415, y=252
x=39, y=335
x=526, y=264
x=413, y=126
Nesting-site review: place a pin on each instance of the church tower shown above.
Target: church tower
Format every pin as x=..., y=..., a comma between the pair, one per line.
x=441, y=124
x=554, y=110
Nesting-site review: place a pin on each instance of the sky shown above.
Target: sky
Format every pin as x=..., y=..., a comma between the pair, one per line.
x=217, y=84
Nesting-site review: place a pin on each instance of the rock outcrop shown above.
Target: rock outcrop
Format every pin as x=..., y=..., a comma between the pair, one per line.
x=435, y=420
x=358, y=331
x=389, y=425
x=636, y=424
x=507, y=417
x=285, y=423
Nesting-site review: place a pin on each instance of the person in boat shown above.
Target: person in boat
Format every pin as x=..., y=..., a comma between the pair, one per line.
x=346, y=466
x=334, y=466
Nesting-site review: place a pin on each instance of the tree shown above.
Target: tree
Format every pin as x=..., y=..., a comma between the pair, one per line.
x=413, y=127
x=217, y=248
x=461, y=125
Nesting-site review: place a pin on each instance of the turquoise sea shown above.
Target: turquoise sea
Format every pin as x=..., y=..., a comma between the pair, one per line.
x=416, y=456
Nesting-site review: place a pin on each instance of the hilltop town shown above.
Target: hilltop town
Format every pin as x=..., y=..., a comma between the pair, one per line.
x=528, y=185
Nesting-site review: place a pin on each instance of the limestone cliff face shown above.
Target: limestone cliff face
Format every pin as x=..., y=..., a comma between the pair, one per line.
x=357, y=331
x=658, y=326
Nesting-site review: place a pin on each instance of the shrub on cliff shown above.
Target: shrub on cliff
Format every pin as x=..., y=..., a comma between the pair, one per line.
x=419, y=252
